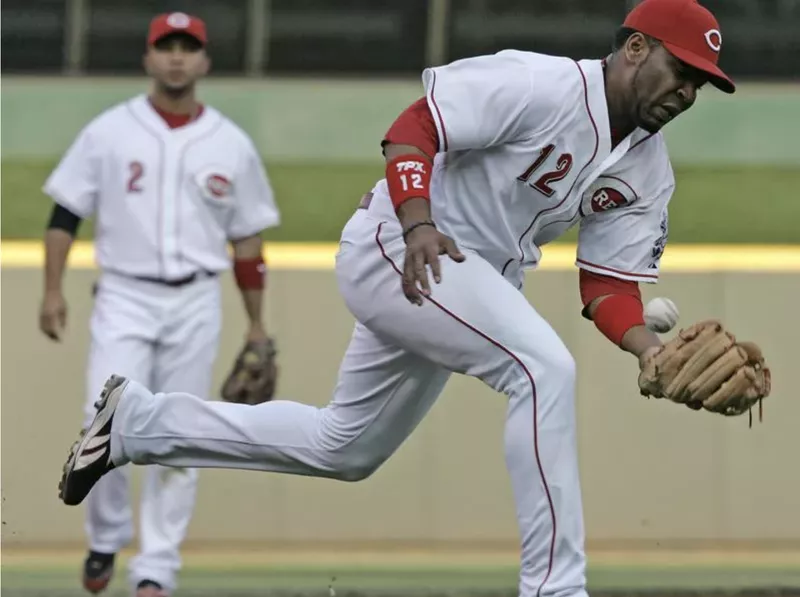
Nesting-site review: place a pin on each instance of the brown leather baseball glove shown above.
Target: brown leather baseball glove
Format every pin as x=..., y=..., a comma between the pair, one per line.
x=254, y=375
x=705, y=367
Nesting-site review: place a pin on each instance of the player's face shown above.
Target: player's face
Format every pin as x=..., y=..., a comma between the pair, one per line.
x=663, y=88
x=176, y=62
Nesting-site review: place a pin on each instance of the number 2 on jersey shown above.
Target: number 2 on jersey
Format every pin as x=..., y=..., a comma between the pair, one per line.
x=136, y=171
x=542, y=184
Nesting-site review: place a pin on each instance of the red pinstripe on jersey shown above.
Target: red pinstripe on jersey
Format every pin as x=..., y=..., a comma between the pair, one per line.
x=531, y=381
x=611, y=270
x=443, y=140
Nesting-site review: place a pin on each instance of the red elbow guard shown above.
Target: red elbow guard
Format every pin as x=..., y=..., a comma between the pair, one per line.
x=250, y=274
x=616, y=314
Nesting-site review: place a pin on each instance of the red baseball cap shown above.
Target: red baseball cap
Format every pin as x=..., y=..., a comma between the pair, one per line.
x=689, y=31
x=176, y=22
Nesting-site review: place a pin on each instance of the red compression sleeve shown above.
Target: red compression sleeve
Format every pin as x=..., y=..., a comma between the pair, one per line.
x=250, y=274
x=415, y=126
x=593, y=285
x=616, y=314
x=621, y=309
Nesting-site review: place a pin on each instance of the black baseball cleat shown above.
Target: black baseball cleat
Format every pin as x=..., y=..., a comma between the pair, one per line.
x=97, y=571
x=90, y=456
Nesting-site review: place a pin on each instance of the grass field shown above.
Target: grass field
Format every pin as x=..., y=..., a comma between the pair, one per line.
x=314, y=574
x=721, y=205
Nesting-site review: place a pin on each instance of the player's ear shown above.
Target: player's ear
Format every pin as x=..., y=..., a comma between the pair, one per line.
x=636, y=48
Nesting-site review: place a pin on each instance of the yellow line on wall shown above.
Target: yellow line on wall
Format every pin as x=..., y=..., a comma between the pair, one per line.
x=557, y=257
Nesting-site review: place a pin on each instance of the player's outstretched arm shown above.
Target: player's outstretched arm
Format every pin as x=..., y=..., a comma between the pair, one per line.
x=615, y=307
x=637, y=340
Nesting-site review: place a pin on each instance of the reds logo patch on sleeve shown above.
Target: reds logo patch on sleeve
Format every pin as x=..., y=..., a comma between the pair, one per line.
x=218, y=186
x=607, y=198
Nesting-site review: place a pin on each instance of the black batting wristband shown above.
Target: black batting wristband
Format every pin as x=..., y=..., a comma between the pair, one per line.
x=63, y=219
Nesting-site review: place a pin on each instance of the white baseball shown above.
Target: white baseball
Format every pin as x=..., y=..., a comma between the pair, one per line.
x=660, y=315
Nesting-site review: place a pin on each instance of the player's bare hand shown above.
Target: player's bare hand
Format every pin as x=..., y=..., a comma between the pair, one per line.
x=424, y=245
x=53, y=315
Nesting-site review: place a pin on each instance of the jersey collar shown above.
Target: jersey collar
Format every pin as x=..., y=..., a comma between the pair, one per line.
x=595, y=71
x=149, y=117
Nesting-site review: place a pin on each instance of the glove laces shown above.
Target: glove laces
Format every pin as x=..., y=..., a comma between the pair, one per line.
x=760, y=414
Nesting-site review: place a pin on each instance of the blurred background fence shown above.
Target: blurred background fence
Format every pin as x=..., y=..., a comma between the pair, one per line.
x=375, y=37
x=337, y=73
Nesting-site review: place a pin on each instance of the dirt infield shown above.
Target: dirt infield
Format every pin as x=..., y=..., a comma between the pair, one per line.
x=327, y=572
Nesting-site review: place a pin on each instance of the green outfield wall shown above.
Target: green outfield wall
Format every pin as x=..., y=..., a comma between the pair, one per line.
x=343, y=120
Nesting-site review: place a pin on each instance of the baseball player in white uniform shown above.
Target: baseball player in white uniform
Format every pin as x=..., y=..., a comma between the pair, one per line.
x=503, y=154
x=171, y=182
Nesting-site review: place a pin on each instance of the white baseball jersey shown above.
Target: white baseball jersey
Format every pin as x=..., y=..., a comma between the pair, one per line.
x=526, y=153
x=166, y=200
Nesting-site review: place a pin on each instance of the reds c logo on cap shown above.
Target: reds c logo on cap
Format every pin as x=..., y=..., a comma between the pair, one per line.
x=178, y=20
x=714, y=39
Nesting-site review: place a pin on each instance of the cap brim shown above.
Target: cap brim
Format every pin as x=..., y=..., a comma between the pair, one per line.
x=715, y=75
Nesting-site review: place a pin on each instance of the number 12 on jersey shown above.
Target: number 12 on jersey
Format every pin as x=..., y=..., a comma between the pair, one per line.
x=542, y=184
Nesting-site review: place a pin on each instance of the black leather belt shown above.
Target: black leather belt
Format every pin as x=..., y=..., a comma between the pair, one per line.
x=179, y=281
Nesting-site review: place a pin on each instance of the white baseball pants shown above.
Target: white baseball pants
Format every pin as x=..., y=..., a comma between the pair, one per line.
x=395, y=367
x=167, y=338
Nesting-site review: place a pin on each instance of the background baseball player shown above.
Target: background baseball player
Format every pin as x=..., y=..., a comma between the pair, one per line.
x=504, y=154
x=170, y=182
